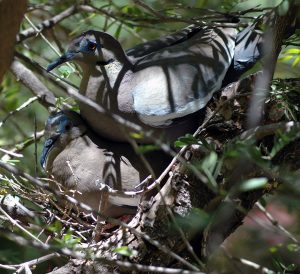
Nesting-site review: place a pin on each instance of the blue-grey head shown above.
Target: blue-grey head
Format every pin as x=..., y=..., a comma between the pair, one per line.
x=90, y=48
x=61, y=128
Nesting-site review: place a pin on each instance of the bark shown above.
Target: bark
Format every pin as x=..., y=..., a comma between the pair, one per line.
x=10, y=19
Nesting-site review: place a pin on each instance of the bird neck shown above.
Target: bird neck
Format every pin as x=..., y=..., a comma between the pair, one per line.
x=112, y=71
x=89, y=73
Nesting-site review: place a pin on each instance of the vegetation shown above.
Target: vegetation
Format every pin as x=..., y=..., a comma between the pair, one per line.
x=231, y=202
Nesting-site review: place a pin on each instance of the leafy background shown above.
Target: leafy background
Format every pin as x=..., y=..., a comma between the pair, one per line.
x=257, y=239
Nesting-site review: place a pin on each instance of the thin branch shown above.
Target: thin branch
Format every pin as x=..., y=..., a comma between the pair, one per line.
x=150, y=9
x=112, y=17
x=199, y=21
x=85, y=255
x=73, y=201
x=49, y=23
x=157, y=17
x=247, y=262
x=34, y=262
x=15, y=223
x=260, y=132
x=24, y=105
x=46, y=40
x=21, y=146
x=275, y=222
x=178, y=156
x=11, y=153
x=8, y=267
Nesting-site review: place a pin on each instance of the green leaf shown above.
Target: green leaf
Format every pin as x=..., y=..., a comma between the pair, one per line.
x=293, y=51
x=65, y=71
x=147, y=148
x=179, y=144
x=208, y=167
x=55, y=227
x=136, y=135
x=263, y=201
x=285, y=58
x=293, y=247
x=210, y=161
x=118, y=31
x=282, y=139
x=253, y=183
x=291, y=267
x=273, y=249
x=125, y=251
x=188, y=139
x=296, y=61
x=196, y=220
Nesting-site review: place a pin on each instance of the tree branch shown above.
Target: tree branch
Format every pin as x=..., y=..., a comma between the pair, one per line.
x=49, y=23
x=45, y=96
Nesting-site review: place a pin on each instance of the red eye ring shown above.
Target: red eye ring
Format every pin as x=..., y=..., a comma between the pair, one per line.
x=92, y=46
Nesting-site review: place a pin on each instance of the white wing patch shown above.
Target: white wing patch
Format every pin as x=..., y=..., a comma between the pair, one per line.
x=184, y=79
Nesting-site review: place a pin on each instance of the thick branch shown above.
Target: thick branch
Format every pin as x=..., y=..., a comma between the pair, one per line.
x=273, y=38
x=45, y=96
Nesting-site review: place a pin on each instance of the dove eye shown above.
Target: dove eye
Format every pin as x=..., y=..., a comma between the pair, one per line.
x=92, y=46
x=68, y=126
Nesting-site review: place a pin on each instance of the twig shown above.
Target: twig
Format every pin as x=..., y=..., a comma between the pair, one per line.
x=275, y=222
x=14, y=207
x=8, y=267
x=151, y=10
x=183, y=149
x=20, y=267
x=35, y=147
x=46, y=40
x=14, y=222
x=11, y=153
x=42, y=71
x=247, y=262
x=112, y=17
x=73, y=201
x=178, y=156
x=49, y=23
x=260, y=132
x=24, y=105
x=199, y=21
x=85, y=255
x=21, y=146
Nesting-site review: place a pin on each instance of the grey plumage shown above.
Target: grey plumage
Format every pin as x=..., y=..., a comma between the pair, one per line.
x=80, y=161
x=173, y=80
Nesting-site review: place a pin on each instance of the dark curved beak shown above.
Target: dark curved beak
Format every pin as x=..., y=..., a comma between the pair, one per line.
x=49, y=143
x=69, y=55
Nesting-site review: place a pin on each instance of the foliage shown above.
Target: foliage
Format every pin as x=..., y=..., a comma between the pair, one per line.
x=133, y=24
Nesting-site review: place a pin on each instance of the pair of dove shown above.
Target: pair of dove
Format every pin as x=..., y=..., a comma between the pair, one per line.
x=162, y=85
